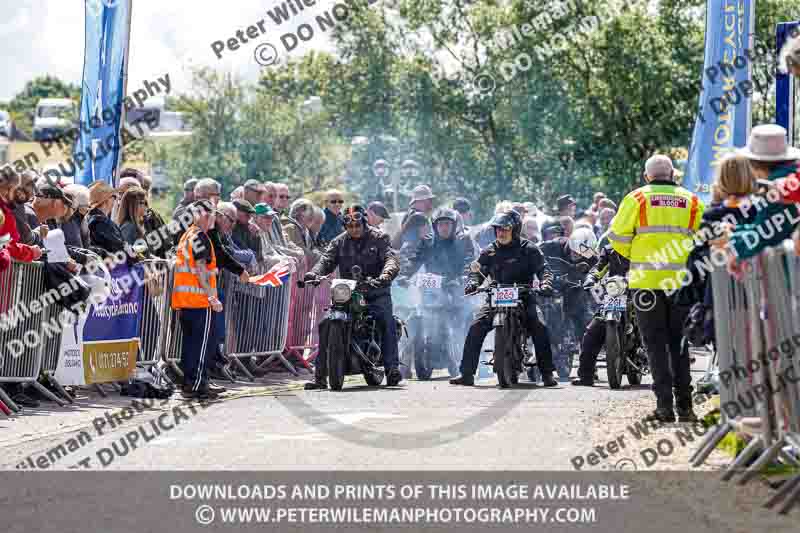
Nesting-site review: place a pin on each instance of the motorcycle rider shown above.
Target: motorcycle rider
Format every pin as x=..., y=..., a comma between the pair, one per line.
x=368, y=248
x=510, y=259
x=445, y=252
x=609, y=263
x=563, y=255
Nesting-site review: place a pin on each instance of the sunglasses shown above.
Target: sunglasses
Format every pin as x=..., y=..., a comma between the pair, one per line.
x=335, y=201
x=355, y=217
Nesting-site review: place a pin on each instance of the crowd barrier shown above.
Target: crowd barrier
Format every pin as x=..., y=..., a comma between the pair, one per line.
x=22, y=355
x=256, y=321
x=305, y=312
x=757, y=322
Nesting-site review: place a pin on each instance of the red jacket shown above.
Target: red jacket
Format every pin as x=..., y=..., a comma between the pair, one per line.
x=17, y=251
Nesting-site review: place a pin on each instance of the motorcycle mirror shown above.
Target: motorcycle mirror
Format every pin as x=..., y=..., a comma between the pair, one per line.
x=356, y=271
x=583, y=268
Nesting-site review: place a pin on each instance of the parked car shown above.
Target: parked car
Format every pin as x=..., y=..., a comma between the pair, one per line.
x=54, y=117
x=6, y=125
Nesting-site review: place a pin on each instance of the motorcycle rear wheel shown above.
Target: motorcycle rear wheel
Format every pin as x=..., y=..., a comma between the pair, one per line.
x=337, y=357
x=614, y=357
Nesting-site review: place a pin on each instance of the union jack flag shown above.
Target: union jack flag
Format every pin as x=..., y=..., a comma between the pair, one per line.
x=276, y=277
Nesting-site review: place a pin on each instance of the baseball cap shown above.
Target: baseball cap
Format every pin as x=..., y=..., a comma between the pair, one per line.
x=244, y=205
x=264, y=210
x=379, y=209
x=54, y=193
x=565, y=201
x=659, y=166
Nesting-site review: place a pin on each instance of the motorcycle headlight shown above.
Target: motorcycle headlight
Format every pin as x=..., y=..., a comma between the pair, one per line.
x=615, y=288
x=341, y=293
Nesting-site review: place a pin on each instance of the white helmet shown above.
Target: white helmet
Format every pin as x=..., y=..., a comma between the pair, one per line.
x=583, y=242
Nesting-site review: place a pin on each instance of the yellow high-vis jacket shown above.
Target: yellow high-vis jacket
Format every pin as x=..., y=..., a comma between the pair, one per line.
x=653, y=229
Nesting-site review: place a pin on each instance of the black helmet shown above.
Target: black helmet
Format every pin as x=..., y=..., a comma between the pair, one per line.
x=509, y=218
x=551, y=229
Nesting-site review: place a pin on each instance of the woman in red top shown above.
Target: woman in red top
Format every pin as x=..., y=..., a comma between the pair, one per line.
x=18, y=251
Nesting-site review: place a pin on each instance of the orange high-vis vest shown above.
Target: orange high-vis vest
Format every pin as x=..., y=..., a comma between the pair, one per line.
x=187, y=293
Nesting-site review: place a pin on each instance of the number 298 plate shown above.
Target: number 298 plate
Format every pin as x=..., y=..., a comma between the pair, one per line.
x=505, y=297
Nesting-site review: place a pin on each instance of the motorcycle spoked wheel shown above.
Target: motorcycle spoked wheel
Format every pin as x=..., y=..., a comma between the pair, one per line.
x=503, y=358
x=453, y=359
x=337, y=357
x=615, y=360
x=423, y=359
x=373, y=377
x=634, y=376
x=564, y=363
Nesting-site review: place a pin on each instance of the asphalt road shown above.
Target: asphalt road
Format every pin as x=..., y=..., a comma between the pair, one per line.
x=419, y=425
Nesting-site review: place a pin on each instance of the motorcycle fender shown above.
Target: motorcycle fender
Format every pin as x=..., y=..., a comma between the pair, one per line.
x=337, y=315
x=498, y=320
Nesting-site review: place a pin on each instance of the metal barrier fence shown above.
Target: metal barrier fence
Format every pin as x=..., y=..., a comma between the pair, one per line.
x=305, y=313
x=755, y=322
x=21, y=336
x=155, y=312
x=256, y=321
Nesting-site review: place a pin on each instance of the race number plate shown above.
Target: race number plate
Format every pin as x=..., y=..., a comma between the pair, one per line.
x=429, y=281
x=616, y=303
x=505, y=297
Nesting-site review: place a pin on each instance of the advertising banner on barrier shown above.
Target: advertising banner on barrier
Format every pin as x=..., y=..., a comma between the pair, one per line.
x=723, y=120
x=102, y=345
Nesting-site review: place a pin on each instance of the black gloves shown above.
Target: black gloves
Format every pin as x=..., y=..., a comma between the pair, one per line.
x=470, y=288
x=310, y=277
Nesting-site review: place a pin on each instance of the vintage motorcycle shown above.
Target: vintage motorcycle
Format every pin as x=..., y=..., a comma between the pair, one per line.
x=353, y=334
x=434, y=341
x=625, y=353
x=510, y=340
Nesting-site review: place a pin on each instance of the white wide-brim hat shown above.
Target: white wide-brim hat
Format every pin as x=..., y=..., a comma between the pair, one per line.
x=768, y=143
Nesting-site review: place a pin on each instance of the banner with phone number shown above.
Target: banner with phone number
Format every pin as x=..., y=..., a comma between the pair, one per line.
x=102, y=345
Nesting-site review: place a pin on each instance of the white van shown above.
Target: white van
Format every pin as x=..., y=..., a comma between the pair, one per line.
x=53, y=117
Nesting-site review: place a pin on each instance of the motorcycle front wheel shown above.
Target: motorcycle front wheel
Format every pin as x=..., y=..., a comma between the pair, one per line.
x=423, y=359
x=373, y=377
x=614, y=356
x=503, y=358
x=337, y=357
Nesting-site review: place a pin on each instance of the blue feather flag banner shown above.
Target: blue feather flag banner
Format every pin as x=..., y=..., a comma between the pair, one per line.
x=723, y=120
x=98, y=148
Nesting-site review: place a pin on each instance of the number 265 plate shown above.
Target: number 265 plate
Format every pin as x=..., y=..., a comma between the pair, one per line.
x=505, y=297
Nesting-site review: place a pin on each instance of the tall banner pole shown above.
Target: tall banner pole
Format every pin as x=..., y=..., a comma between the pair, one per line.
x=124, y=109
x=724, y=115
x=99, y=145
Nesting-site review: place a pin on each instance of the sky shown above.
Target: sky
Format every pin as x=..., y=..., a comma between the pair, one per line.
x=47, y=37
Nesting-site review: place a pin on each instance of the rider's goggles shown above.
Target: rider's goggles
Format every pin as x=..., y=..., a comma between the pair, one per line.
x=353, y=217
